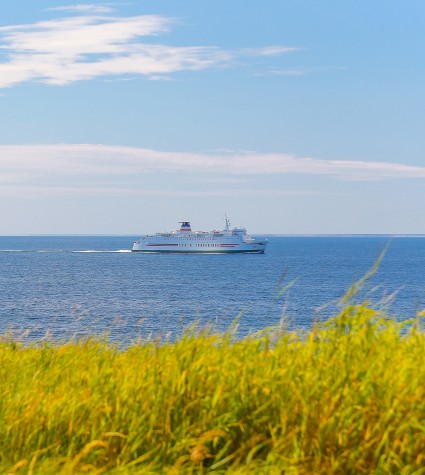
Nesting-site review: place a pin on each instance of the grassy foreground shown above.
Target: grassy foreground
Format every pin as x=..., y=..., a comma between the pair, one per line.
x=348, y=397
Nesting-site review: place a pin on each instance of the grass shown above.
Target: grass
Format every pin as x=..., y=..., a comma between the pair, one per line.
x=347, y=397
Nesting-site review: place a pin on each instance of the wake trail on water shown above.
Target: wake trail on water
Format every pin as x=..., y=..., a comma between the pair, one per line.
x=89, y=251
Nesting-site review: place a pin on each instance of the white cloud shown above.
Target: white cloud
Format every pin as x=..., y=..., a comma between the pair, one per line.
x=128, y=191
x=303, y=71
x=92, y=45
x=290, y=72
x=100, y=168
x=85, y=8
x=270, y=50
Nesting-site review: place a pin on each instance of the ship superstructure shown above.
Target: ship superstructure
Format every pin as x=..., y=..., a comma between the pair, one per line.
x=185, y=240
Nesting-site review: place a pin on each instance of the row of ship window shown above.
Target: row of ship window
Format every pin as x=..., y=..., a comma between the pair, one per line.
x=191, y=239
x=200, y=245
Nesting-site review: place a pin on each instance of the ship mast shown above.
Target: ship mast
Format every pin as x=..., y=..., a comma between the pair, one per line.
x=227, y=228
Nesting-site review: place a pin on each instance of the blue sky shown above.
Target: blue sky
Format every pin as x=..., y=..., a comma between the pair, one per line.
x=290, y=116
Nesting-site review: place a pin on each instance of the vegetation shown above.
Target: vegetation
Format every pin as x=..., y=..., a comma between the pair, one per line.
x=347, y=397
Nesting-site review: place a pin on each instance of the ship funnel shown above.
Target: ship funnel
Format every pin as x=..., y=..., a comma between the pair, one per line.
x=185, y=226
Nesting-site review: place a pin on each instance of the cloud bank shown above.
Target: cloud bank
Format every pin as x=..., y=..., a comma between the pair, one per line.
x=95, y=43
x=104, y=167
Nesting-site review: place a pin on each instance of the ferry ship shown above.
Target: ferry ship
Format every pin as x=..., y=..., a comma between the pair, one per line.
x=185, y=240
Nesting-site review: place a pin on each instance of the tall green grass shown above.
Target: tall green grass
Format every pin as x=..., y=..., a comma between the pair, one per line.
x=347, y=397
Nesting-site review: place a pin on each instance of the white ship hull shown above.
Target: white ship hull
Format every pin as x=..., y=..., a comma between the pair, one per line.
x=258, y=248
x=188, y=242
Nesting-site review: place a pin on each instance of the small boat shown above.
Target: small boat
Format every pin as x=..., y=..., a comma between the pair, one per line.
x=184, y=240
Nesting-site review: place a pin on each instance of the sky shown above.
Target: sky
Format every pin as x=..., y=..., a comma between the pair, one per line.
x=291, y=116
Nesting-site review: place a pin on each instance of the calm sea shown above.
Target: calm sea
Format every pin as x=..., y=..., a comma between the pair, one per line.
x=89, y=285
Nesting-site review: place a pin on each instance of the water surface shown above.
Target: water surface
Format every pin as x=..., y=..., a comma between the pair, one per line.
x=83, y=285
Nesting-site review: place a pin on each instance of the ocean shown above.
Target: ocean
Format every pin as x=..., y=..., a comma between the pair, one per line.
x=61, y=287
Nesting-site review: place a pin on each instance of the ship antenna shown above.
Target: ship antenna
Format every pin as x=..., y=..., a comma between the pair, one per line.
x=227, y=222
